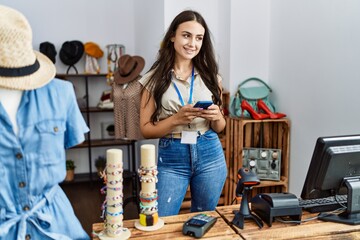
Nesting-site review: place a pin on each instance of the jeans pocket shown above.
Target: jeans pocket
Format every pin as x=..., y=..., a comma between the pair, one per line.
x=164, y=142
x=210, y=135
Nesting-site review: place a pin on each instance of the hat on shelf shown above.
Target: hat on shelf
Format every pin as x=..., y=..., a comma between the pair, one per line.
x=93, y=50
x=129, y=68
x=49, y=50
x=71, y=52
x=21, y=67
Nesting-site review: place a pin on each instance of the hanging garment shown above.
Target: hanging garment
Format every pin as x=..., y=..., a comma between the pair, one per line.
x=126, y=98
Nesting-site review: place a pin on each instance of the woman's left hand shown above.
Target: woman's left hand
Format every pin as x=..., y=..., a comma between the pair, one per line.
x=213, y=113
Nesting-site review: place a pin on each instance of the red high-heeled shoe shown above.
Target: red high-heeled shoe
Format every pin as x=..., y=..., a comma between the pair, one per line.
x=257, y=116
x=262, y=106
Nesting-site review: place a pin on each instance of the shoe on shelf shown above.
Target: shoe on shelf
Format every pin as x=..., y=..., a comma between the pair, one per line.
x=255, y=115
x=262, y=106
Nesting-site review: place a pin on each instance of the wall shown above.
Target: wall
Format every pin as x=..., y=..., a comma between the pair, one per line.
x=314, y=68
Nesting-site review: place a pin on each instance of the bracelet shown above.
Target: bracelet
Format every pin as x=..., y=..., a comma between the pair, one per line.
x=113, y=182
x=115, y=173
x=115, y=197
x=104, y=205
x=114, y=214
x=149, y=199
x=147, y=194
x=146, y=179
x=148, y=208
x=103, y=189
x=114, y=165
x=152, y=172
x=148, y=168
x=116, y=232
x=113, y=225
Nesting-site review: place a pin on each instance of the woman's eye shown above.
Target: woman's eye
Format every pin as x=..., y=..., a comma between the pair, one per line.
x=199, y=38
x=186, y=35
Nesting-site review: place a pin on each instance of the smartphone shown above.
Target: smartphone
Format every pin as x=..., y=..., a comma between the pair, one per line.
x=203, y=104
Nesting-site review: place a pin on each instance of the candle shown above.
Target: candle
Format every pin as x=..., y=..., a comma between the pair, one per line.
x=148, y=155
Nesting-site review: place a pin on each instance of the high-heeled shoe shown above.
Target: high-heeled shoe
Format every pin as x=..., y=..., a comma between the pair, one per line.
x=262, y=106
x=257, y=116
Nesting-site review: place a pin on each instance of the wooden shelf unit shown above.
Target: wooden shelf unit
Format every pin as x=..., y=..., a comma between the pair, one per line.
x=90, y=142
x=268, y=133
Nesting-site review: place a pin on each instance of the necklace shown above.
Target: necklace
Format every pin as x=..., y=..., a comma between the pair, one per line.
x=182, y=75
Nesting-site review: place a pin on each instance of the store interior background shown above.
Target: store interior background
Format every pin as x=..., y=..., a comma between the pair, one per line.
x=308, y=51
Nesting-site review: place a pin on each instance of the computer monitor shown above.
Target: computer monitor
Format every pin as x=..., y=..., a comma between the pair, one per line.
x=335, y=169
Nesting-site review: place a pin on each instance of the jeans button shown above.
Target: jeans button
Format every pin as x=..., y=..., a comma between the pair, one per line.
x=27, y=237
x=26, y=208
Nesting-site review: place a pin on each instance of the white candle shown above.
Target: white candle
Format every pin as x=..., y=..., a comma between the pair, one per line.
x=148, y=155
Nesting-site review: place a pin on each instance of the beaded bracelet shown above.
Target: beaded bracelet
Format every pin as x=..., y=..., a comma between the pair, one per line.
x=114, y=214
x=148, y=194
x=115, y=188
x=115, y=197
x=113, y=225
x=118, y=172
x=116, y=232
x=149, y=199
x=148, y=168
x=148, y=179
x=152, y=172
x=104, y=205
x=103, y=189
x=148, y=208
x=113, y=182
x=114, y=165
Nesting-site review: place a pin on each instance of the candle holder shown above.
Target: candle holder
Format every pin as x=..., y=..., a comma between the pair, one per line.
x=148, y=218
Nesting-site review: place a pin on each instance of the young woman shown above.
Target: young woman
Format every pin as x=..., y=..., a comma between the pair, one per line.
x=190, y=152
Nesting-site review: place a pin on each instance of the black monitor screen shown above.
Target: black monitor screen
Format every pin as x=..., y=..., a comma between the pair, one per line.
x=315, y=175
x=335, y=169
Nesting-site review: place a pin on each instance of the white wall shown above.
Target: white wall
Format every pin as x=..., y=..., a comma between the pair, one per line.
x=314, y=68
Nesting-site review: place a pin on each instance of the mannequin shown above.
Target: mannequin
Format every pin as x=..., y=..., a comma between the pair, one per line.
x=10, y=100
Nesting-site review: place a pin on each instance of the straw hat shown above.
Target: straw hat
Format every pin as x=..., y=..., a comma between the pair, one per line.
x=21, y=67
x=129, y=68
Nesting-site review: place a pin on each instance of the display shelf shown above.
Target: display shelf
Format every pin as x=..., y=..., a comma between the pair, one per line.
x=91, y=142
x=245, y=133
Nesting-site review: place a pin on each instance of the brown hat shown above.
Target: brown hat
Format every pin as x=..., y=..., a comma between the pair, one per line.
x=93, y=50
x=21, y=67
x=129, y=68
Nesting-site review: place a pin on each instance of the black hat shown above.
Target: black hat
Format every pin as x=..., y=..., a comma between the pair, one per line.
x=71, y=52
x=48, y=49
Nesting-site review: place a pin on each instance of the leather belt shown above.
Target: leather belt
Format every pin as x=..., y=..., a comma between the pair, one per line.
x=173, y=135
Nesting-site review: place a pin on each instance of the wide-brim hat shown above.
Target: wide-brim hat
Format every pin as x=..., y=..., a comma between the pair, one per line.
x=21, y=67
x=93, y=50
x=71, y=52
x=129, y=68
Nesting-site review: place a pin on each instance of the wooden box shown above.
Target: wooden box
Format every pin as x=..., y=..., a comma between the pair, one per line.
x=269, y=133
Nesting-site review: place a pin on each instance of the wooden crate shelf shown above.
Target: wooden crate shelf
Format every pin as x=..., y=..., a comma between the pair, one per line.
x=269, y=133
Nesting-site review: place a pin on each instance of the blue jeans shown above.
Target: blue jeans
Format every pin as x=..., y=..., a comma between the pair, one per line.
x=201, y=165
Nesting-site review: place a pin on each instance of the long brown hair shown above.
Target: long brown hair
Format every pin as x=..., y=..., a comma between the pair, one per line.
x=204, y=62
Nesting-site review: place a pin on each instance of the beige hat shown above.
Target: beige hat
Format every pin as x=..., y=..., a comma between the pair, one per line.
x=21, y=67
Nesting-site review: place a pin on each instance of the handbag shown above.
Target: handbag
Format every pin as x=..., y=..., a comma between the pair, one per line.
x=251, y=95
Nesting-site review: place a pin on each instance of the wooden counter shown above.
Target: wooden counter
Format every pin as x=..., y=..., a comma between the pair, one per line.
x=173, y=229
x=314, y=229
x=224, y=230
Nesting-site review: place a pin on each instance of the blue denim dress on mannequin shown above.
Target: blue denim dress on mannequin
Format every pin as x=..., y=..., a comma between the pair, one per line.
x=32, y=164
x=202, y=165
